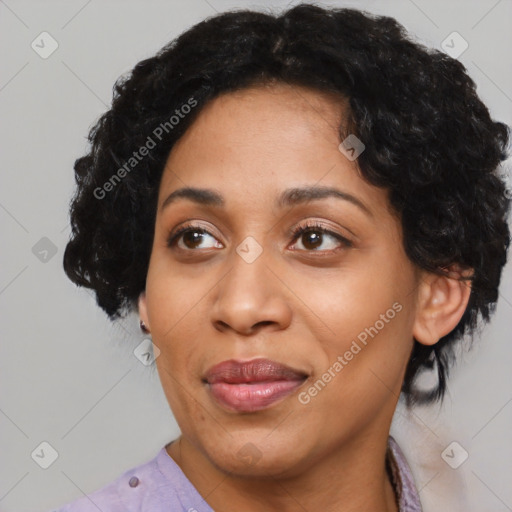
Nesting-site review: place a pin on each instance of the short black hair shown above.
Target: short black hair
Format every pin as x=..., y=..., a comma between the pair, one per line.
x=430, y=141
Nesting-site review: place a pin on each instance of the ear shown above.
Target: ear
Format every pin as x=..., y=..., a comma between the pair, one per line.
x=442, y=300
x=143, y=311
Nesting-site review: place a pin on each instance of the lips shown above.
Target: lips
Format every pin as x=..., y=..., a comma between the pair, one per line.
x=252, y=385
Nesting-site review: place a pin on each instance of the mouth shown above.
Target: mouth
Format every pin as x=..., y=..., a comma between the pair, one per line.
x=252, y=385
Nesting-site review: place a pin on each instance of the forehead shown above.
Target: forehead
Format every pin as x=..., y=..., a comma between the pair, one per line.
x=254, y=143
x=266, y=115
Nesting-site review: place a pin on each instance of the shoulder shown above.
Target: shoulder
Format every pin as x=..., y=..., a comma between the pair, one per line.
x=156, y=485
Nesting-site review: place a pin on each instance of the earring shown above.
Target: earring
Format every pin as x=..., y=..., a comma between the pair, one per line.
x=143, y=327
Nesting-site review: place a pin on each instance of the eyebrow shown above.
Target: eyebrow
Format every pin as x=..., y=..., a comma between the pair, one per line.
x=289, y=197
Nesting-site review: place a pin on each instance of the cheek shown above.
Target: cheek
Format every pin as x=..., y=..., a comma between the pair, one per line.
x=172, y=297
x=183, y=399
x=347, y=302
x=175, y=328
x=363, y=324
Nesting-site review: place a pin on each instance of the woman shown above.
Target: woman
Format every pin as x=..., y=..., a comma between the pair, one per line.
x=305, y=211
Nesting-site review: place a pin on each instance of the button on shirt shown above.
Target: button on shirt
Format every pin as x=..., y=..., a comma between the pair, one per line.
x=159, y=485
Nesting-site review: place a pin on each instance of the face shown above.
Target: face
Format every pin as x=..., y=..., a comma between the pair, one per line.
x=332, y=308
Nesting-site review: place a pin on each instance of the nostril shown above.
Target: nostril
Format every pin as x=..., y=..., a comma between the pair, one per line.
x=266, y=322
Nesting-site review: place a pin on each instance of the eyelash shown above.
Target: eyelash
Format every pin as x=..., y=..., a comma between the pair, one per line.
x=296, y=234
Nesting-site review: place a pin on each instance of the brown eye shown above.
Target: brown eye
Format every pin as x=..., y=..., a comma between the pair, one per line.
x=311, y=239
x=315, y=236
x=191, y=238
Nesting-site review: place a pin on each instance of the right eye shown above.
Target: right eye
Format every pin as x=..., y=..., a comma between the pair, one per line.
x=191, y=238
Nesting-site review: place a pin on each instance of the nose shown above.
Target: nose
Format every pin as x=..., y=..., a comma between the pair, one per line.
x=251, y=297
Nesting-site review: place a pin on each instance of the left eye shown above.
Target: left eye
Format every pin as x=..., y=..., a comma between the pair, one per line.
x=312, y=237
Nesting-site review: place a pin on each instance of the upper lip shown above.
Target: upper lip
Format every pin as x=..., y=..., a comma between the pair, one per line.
x=256, y=370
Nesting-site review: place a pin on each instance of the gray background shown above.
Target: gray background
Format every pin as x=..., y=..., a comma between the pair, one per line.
x=69, y=377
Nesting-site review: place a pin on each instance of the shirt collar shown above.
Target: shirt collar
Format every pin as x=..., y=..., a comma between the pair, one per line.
x=401, y=478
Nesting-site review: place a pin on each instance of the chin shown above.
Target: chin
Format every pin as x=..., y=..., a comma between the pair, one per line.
x=249, y=457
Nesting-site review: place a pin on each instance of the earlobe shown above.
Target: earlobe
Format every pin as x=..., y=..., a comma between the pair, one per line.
x=441, y=302
x=142, y=307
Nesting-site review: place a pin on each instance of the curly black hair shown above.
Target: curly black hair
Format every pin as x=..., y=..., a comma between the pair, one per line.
x=430, y=141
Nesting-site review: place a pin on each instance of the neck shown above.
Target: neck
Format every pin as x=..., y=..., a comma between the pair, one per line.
x=350, y=478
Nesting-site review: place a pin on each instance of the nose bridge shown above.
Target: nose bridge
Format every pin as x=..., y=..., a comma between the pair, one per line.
x=249, y=294
x=251, y=253
x=248, y=281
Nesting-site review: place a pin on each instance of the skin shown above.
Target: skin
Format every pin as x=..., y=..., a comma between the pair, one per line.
x=299, y=304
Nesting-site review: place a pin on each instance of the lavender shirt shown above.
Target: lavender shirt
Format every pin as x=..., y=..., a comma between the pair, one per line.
x=159, y=485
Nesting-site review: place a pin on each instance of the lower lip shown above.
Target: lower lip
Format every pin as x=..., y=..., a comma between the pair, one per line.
x=252, y=397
